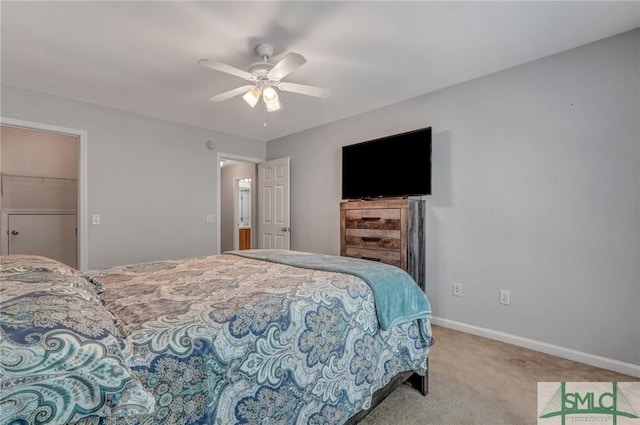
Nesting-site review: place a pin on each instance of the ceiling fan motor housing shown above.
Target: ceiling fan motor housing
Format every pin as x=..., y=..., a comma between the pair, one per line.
x=260, y=69
x=264, y=49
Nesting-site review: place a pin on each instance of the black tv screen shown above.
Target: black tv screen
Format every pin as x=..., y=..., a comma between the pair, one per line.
x=389, y=167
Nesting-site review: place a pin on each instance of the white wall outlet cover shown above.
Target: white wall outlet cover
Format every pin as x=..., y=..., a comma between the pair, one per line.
x=95, y=219
x=505, y=297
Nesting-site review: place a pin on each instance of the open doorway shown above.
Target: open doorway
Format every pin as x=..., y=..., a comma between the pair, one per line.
x=242, y=211
x=238, y=203
x=39, y=193
x=42, y=186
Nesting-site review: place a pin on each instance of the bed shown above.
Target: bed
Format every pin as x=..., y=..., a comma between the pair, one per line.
x=247, y=337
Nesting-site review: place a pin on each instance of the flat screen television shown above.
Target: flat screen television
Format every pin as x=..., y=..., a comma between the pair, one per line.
x=390, y=167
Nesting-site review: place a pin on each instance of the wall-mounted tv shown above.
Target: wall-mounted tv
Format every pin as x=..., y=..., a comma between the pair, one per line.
x=389, y=167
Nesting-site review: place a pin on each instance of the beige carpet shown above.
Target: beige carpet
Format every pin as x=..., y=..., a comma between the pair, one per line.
x=474, y=380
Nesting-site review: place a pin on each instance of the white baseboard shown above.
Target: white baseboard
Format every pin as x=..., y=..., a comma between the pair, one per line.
x=555, y=350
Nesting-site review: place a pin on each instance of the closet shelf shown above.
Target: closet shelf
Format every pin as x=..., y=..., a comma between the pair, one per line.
x=43, y=179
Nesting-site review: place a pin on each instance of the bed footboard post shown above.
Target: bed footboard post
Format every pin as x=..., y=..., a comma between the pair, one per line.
x=420, y=383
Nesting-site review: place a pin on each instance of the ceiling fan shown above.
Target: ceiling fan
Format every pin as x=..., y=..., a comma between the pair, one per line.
x=265, y=77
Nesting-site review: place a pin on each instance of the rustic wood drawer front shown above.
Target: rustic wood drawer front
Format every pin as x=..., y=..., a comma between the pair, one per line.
x=376, y=239
x=385, y=230
x=387, y=257
x=383, y=219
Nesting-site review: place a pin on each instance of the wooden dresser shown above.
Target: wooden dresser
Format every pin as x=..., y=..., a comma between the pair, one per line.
x=388, y=231
x=392, y=232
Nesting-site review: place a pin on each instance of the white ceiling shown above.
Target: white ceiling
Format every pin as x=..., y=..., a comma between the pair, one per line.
x=142, y=56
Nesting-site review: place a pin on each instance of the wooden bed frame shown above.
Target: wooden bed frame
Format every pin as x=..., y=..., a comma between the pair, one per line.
x=420, y=383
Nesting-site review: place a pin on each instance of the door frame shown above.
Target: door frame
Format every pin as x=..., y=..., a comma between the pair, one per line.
x=220, y=156
x=83, y=245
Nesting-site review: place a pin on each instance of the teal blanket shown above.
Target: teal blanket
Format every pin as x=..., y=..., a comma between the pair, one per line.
x=398, y=298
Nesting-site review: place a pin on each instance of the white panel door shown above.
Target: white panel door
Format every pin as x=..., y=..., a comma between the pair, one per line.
x=274, y=227
x=49, y=235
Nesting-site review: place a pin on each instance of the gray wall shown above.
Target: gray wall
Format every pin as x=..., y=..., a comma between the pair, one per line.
x=536, y=189
x=152, y=181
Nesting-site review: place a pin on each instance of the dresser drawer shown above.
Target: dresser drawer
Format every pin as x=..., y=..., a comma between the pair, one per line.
x=387, y=257
x=390, y=231
x=373, y=238
x=383, y=219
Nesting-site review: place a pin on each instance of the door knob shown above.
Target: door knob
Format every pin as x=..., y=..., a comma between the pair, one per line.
x=286, y=229
x=15, y=232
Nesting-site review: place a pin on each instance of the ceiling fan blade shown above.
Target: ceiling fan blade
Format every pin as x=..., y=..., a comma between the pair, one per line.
x=223, y=67
x=303, y=89
x=231, y=93
x=287, y=65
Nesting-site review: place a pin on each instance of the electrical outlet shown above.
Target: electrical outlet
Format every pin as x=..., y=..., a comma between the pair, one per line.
x=95, y=219
x=505, y=297
x=457, y=289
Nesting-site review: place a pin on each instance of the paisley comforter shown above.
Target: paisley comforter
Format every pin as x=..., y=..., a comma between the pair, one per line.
x=217, y=340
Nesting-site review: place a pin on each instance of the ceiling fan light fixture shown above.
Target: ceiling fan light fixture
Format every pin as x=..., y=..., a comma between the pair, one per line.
x=252, y=96
x=270, y=99
x=273, y=106
x=269, y=94
x=264, y=78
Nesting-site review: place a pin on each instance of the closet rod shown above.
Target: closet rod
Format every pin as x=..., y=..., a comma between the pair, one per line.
x=11, y=176
x=38, y=177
